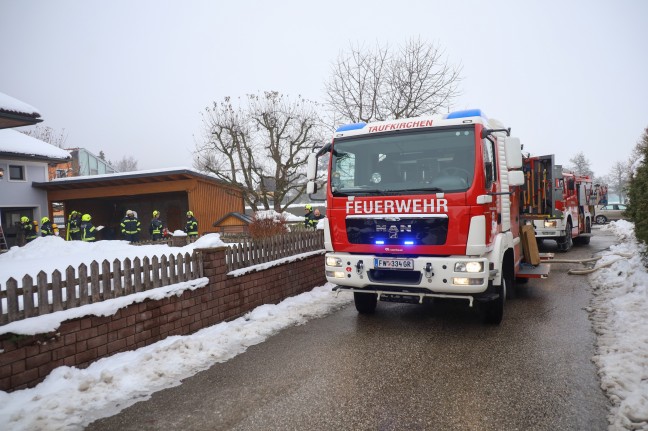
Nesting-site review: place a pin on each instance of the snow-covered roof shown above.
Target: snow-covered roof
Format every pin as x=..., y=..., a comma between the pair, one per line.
x=14, y=113
x=9, y=104
x=16, y=144
x=142, y=173
x=144, y=176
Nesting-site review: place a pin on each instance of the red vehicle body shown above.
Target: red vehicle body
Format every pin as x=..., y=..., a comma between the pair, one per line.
x=557, y=202
x=425, y=208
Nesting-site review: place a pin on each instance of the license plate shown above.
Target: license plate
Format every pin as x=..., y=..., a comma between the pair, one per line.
x=406, y=264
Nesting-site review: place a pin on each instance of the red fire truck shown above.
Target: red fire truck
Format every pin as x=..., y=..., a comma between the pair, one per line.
x=425, y=208
x=557, y=202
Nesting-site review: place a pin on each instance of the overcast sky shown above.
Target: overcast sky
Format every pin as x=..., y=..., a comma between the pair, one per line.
x=132, y=77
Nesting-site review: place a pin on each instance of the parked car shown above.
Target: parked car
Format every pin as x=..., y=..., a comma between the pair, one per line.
x=610, y=212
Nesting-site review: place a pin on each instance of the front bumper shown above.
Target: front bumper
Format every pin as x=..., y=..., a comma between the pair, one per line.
x=548, y=232
x=429, y=275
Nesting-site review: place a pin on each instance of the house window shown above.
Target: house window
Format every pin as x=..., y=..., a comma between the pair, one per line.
x=61, y=173
x=16, y=173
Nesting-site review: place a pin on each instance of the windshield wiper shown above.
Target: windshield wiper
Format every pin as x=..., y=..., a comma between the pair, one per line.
x=423, y=189
x=351, y=192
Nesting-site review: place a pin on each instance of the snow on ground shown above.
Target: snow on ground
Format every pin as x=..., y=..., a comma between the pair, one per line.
x=71, y=398
x=619, y=315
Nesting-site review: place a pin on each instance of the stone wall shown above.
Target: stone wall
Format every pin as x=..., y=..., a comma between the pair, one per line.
x=27, y=360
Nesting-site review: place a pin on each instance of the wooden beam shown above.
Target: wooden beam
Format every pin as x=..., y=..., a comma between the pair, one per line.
x=123, y=190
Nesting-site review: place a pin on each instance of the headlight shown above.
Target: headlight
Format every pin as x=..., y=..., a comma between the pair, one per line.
x=469, y=267
x=551, y=223
x=335, y=274
x=333, y=261
x=467, y=281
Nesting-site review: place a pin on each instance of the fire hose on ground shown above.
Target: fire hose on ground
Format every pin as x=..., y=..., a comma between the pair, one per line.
x=586, y=261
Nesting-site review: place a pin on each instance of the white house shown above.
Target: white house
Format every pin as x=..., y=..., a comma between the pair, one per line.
x=23, y=160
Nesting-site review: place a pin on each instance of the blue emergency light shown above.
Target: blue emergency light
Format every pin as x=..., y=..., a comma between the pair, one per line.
x=379, y=242
x=354, y=126
x=409, y=243
x=466, y=113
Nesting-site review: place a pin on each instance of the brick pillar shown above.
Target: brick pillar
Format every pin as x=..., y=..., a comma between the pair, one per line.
x=214, y=265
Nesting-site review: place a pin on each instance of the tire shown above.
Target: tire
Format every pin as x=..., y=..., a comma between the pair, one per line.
x=565, y=243
x=601, y=219
x=584, y=240
x=365, y=303
x=493, y=311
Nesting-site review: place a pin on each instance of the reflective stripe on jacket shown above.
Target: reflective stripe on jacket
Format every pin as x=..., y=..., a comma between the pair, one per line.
x=130, y=226
x=191, y=228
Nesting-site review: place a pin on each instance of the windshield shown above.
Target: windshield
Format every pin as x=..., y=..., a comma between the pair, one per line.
x=431, y=160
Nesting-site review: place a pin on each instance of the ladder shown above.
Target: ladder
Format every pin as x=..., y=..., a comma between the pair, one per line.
x=3, y=241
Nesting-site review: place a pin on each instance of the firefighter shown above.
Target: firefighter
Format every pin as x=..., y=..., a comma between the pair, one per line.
x=130, y=227
x=28, y=229
x=317, y=216
x=46, y=227
x=309, y=215
x=73, y=231
x=311, y=218
x=191, y=228
x=156, y=226
x=87, y=229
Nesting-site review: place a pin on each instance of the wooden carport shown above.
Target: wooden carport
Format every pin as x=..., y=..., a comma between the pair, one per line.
x=172, y=192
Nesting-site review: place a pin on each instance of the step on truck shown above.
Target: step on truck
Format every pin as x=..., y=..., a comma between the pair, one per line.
x=424, y=208
x=556, y=202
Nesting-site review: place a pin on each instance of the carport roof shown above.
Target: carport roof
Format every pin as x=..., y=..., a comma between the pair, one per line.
x=127, y=178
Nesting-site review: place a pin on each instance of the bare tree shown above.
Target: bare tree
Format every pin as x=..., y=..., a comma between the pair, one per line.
x=126, y=164
x=260, y=145
x=377, y=85
x=618, y=178
x=47, y=134
x=580, y=165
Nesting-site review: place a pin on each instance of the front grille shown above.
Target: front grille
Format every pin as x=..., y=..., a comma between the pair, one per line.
x=418, y=231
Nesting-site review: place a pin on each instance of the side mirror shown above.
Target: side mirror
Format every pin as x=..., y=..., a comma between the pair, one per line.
x=311, y=187
x=516, y=178
x=513, y=151
x=311, y=171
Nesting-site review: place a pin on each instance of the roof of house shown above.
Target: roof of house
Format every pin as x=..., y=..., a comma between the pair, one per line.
x=14, y=113
x=247, y=219
x=16, y=145
x=127, y=178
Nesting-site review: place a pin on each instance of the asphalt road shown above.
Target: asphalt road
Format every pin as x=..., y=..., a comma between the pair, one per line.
x=408, y=367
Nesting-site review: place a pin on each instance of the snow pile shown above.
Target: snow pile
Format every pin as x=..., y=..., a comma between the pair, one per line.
x=70, y=398
x=619, y=315
x=52, y=252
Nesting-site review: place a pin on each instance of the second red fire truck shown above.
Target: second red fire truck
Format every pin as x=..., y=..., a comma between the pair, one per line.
x=557, y=202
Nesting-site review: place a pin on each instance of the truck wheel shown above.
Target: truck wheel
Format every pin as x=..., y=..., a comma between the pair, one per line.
x=584, y=240
x=493, y=311
x=365, y=303
x=565, y=243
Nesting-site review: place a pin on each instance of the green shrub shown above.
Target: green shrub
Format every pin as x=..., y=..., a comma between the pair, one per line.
x=637, y=210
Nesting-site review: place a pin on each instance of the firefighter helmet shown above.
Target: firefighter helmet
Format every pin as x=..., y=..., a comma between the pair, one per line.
x=308, y=207
x=156, y=213
x=44, y=220
x=189, y=213
x=24, y=219
x=86, y=217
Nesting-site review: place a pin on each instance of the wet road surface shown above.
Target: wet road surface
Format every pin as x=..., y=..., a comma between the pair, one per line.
x=408, y=367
